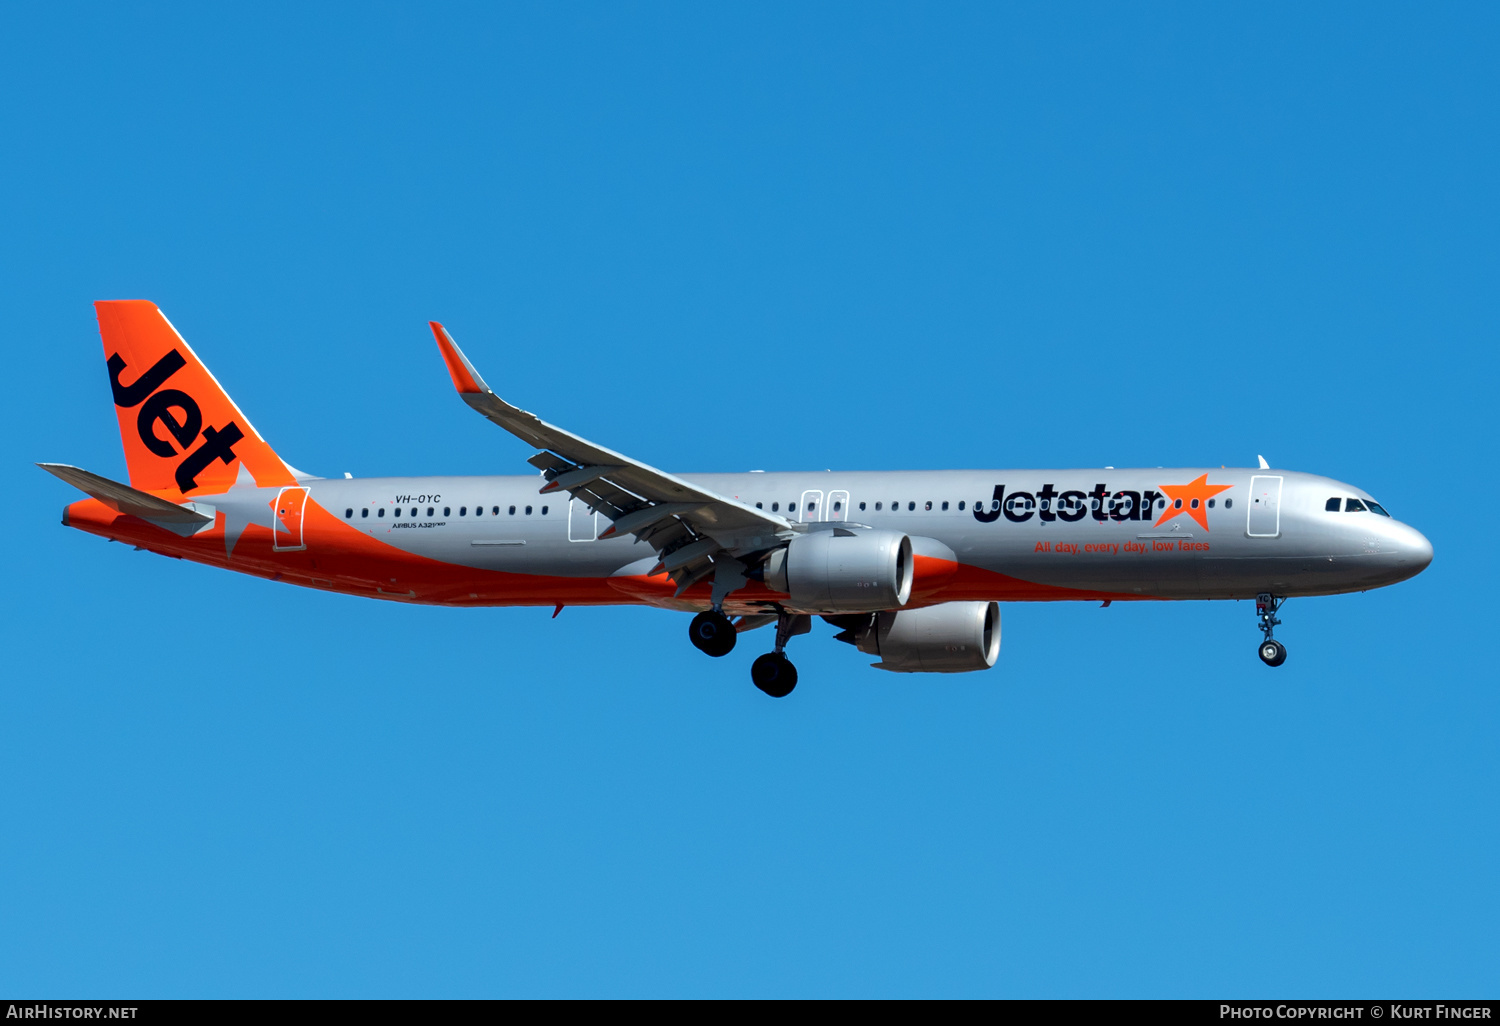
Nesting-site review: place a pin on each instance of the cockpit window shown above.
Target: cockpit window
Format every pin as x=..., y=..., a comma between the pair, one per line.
x=1332, y=505
x=1353, y=506
x=1376, y=507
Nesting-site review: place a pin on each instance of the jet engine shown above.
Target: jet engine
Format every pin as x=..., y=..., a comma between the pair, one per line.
x=843, y=571
x=954, y=637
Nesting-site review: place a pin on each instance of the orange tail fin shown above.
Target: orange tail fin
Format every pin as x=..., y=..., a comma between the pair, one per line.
x=183, y=435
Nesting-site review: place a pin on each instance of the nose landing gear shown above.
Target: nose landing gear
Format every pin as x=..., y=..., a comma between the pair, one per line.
x=773, y=672
x=1272, y=652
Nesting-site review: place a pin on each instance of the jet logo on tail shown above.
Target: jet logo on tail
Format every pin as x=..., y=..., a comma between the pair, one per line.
x=162, y=406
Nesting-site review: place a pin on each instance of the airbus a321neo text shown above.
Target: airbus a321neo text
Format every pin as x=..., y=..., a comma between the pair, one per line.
x=909, y=566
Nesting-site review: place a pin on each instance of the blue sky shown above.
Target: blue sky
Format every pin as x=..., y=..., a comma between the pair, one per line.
x=855, y=236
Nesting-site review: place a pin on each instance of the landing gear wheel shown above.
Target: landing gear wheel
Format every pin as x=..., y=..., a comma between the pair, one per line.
x=712, y=633
x=774, y=674
x=1272, y=652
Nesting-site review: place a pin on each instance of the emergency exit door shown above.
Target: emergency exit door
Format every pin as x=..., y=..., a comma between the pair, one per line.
x=838, y=506
x=583, y=523
x=811, y=503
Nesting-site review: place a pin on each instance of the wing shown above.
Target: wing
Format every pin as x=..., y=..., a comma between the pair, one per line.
x=696, y=532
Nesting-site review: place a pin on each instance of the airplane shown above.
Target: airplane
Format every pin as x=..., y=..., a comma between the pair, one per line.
x=909, y=566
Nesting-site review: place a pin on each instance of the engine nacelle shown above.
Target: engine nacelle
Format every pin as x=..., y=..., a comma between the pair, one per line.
x=843, y=571
x=954, y=637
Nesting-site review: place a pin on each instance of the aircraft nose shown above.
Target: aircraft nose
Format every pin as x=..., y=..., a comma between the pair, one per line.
x=1416, y=550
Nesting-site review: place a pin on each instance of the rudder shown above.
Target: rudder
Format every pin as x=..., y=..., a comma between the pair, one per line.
x=182, y=433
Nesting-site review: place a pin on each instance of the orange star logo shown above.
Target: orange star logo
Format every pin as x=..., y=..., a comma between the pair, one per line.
x=1191, y=499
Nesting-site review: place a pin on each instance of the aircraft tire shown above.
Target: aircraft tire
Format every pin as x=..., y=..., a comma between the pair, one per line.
x=1272, y=653
x=774, y=674
x=712, y=634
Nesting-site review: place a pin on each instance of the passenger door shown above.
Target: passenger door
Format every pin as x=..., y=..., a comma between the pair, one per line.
x=286, y=523
x=1264, y=516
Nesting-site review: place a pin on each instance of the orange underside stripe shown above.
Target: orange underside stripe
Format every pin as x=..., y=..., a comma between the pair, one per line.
x=340, y=557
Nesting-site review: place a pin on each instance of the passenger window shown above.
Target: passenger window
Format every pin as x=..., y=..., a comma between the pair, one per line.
x=1210, y=503
x=994, y=505
x=960, y=505
x=447, y=511
x=1162, y=503
x=1332, y=505
x=1176, y=503
x=945, y=507
x=929, y=505
x=349, y=513
x=759, y=506
x=380, y=512
x=1376, y=507
x=396, y=512
x=364, y=512
x=512, y=510
x=495, y=510
x=861, y=507
x=1353, y=506
x=528, y=511
x=791, y=507
x=479, y=511
x=430, y=511
x=911, y=507
x=463, y=511
x=1228, y=503
x=811, y=506
x=837, y=506
x=775, y=506
x=544, y=511
x=1194, y=503
x=414, y=511
x=877, y=507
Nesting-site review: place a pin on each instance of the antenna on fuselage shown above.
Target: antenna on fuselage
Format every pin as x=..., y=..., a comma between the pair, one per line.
x=1263, y=464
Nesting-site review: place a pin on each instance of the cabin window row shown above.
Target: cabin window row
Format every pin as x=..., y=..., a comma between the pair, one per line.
x=1110, y=505
x=463, y=511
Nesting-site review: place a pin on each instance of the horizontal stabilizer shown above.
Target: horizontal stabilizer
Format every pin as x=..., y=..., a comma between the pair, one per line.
x=124, y=499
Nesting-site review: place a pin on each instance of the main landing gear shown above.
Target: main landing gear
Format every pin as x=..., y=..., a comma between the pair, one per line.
x=773, y=672
x=712, y=633
x=1272, y=652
